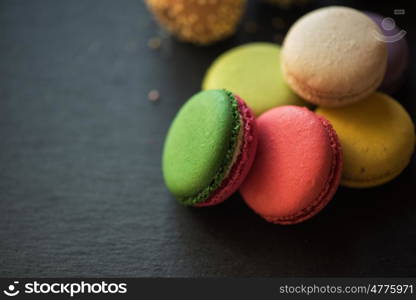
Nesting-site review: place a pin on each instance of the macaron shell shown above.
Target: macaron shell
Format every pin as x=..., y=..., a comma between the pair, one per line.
x=377, y=137
x=253, y=72
x=332, y=56
x=244, y=162
x=297, y=166
x=197, y=143
x=398, y=55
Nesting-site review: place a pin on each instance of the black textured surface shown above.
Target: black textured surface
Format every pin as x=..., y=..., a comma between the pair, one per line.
x=81, y=192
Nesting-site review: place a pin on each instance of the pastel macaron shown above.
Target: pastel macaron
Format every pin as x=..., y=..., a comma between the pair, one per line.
x=252, y=71
x=209, y=148
x=397, y=50
x=297, y=168
x=199, y=22
x=378, y=139
x=333, y=56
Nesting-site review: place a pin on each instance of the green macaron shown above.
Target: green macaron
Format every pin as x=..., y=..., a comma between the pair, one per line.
x=206, y=148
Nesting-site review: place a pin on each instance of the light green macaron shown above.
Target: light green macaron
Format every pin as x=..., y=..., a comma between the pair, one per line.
x=253, y=72
x=209, y=148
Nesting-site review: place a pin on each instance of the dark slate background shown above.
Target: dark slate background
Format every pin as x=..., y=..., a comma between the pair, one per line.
x=81, y=191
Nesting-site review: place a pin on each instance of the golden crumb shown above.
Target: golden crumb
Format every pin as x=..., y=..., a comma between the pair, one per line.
x=153, y=95
x=154, y=43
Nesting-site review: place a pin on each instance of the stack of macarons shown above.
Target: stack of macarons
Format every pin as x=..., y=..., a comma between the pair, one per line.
x=313, y=117
x=337, y=58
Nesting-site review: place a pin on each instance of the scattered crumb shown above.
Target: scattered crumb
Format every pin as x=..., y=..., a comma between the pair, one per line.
x=154, y=43
x=153, y=95
x=278, y=23
x=250, y=26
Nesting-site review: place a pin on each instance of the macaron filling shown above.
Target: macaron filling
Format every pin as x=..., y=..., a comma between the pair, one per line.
x=237, y=151
x=229, y=158
x=328, y=190
x=301, y=88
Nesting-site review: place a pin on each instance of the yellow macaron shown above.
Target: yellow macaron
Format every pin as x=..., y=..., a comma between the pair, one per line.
x=378, y=139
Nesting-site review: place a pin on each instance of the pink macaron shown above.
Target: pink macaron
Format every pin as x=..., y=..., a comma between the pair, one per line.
x=297, y=167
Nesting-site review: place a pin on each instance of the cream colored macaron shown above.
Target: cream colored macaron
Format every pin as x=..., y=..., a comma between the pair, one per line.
x=334, y=56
